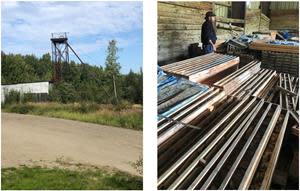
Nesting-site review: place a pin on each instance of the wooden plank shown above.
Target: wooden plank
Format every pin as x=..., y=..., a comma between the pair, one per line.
x=207, y=104
x=238, y=159
x=245, y=124
x=236, y=79
x=199, y=77
x=261, y=45
x=200, y=164
x=165, y=175
x=194, y=5
x=229, y=26
x=249, y=174
x=275, y=155
x=230, y=20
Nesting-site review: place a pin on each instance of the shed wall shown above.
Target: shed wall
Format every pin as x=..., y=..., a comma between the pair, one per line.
x=179, y=25
x=284, y=15
x=36, y=87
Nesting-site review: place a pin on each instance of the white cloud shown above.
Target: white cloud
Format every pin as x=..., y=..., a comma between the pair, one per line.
x=28, y=25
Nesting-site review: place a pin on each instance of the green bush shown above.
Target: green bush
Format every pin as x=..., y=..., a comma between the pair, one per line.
x=122, y=105
x=86, y=107
x=12, y=97
x=87, y=112
x=28, y=98
x=63, y=92
x=22, y=108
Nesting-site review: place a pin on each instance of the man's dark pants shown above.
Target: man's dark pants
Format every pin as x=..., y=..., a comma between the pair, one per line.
x=208, y=49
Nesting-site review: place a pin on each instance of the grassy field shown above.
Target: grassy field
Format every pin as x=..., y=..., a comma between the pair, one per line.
x=126, y=116
x=38, y=178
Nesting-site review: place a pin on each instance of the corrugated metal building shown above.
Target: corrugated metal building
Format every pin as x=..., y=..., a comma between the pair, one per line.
x=24, y=88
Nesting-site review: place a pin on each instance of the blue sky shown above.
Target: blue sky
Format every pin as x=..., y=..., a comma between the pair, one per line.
x=27, y=27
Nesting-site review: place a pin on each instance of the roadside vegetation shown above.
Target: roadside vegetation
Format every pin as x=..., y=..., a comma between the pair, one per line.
x=123, y=115
x=40, y=178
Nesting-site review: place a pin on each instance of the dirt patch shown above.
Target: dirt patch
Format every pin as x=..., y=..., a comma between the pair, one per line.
x=35, y=140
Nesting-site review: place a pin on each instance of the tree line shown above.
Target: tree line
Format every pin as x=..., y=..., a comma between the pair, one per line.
x=80, y=82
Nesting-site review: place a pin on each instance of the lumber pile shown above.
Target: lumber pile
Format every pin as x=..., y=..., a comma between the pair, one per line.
x=248, y=80
x=234, y=80
x=281, y=62
x=172, y=92
x=187, y=114
x=285, y=92
x=202, y=67
x=231, y=149
x=288, y=91
x=231, y=136
x=245, y=58
x=236, y=47
x=264, y=46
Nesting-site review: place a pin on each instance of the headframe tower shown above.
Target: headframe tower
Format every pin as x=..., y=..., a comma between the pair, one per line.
x=60, y=53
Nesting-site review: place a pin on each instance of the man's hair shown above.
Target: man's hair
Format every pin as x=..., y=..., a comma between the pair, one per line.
x=209, y=14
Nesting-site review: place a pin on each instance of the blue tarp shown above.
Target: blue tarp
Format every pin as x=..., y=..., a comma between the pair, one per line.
x=290, y=43
x=172, y=92
x=286, y=34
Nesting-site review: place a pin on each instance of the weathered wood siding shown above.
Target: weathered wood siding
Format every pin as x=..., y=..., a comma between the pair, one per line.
x=284, y=19
x=221, y=8
x=284, y=15
x=284, y=5
x=264, y=24
x=179, y=25
x=252, y=20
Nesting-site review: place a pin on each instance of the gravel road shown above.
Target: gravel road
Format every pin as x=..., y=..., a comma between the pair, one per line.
x=27, y=139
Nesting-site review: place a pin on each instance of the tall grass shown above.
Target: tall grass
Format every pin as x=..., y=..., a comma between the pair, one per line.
x=38, y=178
x=125, y=115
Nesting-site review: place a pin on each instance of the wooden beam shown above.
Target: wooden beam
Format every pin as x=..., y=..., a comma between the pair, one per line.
x=229, y=27
x=275, y=155
x=249, y=174
x=261, y=45
x=230, y=20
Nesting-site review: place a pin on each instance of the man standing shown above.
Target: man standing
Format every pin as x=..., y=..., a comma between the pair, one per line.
x=208, y=33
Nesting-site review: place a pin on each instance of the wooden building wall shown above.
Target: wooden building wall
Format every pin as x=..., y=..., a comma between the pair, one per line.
x=264, y=24
x=284, y=15
x=252, y=20
x=221, y=8
x=179, y=25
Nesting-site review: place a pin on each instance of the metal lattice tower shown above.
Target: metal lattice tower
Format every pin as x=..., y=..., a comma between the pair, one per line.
x=60, y=53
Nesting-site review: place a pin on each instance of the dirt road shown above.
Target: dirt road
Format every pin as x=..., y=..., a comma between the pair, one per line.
x=27, y=139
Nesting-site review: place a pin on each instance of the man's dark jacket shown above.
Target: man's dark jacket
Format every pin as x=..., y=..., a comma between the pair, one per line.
x=208, y=33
